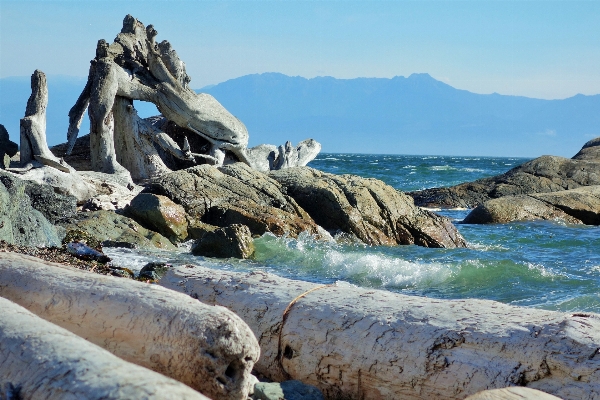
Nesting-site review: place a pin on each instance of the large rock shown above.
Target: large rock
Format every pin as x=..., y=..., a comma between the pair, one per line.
x=234, y=194
x=541, y=175
x=576, y=206
x=232, y=241
x=369, y=209
x=67, y=183
x=160, y=214
x=109, y=227
x=53, y=205
x=590, y=151
x=20, y=222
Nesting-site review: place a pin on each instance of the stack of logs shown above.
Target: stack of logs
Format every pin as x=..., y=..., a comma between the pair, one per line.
x=350, y=342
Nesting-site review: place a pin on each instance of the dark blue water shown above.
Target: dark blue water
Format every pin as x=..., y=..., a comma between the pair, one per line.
x=539, y=264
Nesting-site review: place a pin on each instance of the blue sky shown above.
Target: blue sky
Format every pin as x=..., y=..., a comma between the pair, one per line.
x=538, y=49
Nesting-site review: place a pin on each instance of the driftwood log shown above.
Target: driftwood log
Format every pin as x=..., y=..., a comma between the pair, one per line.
x=358, y=343
x=208, y=348
x=39, y=360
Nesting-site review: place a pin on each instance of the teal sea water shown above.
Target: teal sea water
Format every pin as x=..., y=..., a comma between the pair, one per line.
x=540, y=264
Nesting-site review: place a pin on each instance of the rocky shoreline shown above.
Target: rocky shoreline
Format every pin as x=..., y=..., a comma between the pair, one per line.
x=548, y=187
x=189, y=175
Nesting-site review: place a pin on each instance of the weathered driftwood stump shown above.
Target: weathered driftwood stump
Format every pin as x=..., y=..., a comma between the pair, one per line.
x=358, y=343
x=39, y=360
x=34, y=147
x=208, y=348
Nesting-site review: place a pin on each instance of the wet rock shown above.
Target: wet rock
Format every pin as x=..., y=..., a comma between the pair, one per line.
x=288, y=390
x=234, y=194
x=542, y=175
x=20, y=223
x=77, y=235
x=232, y=241
x=107, y=226
x=115, y=243
x=198, y=229
x=154, y=270
x=159, y=213
x=368, y=209
x=121, y=272
x=576, y=206
x=81, y=250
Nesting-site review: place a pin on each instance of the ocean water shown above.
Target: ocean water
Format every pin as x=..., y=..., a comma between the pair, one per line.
x=542, y=264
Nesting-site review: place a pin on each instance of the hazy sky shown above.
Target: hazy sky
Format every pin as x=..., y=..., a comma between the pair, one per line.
x=538, y=49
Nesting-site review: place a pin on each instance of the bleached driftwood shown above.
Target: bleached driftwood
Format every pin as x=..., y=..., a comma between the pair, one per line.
x=135, y=67
x=359, y=343
x=208, y=348
x=512, y=393
x=134, y=143
x=34, y=147
x=267, y=157
x=39, y=360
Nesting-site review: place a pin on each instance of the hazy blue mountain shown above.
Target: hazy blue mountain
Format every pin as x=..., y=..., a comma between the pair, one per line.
x=414, y=115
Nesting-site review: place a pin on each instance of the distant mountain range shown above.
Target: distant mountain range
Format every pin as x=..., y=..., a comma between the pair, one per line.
x=413, y=115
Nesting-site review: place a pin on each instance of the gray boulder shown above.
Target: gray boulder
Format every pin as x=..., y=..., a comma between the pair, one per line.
x=234, y=194
x=70, y=184
x=20, y=222
x=110, y=228
x=541, y=175
x=54, y=206
x=232, y=241
x=368, y=209
x=160, y=214
x=576, y=206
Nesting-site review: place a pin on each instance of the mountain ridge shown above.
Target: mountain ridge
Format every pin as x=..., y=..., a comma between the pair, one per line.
x=401, y=115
